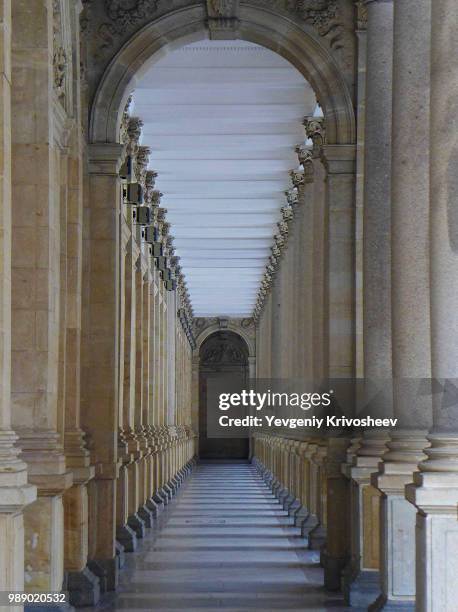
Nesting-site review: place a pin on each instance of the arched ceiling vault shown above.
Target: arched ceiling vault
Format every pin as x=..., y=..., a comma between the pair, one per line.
x=222, y=119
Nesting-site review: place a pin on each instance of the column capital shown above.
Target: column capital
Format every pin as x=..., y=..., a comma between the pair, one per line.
x=316, y=131
x=105, y=158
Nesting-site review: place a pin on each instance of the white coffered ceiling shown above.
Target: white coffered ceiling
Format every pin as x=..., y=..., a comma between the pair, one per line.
x=222, y=120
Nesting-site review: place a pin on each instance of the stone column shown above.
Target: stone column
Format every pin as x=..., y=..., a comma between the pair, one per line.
x=362, y=578
x=339, y=163
x=38, y=416
x=141, y=399
x=15, y=492
x=409, y=298
x=435, y=489
x=361, y=11
x=276, y=319
x=335, y=553
x=377, y=191
x=100, y=378
x=304, y=270
x=83, y=586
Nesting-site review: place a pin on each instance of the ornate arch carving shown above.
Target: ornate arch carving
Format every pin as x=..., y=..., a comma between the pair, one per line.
x=291, y=30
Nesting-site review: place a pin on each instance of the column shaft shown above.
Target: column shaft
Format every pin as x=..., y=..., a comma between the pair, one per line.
x=410, y=296
x=15, y=492
x=436, y=487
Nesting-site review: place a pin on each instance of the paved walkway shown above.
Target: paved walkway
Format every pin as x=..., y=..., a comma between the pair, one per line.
x=223, y=543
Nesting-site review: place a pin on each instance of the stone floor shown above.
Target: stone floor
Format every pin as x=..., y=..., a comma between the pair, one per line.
x=223, y=543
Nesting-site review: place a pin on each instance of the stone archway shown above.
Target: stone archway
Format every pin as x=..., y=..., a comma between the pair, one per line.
x=134, y=37
x=312, y=50
x=223, y=363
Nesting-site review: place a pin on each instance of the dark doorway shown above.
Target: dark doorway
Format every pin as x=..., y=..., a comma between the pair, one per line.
x=223, y=359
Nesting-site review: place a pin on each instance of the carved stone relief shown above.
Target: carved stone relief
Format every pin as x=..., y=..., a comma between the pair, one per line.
x=62, y=53
x=113, y=22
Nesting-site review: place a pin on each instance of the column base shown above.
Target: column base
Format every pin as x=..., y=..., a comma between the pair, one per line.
x=127, y=538
x=164, y=495
x=107, y=572
x=168, y=490
x=317, y=537
x=137, y=524
x=160, y=498
x=154, y=507
x=310, y=523
x=120, y=554
x=288, y=502
x=294, y=508
x=146, y=515
x=83, y=588
x=333, y=568
x=301, y=516
x=382, y=603
x=363, y=590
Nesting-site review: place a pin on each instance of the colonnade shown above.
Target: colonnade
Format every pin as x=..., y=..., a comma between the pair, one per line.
x=96, y=326
x=96, y=339
x=396, y=488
